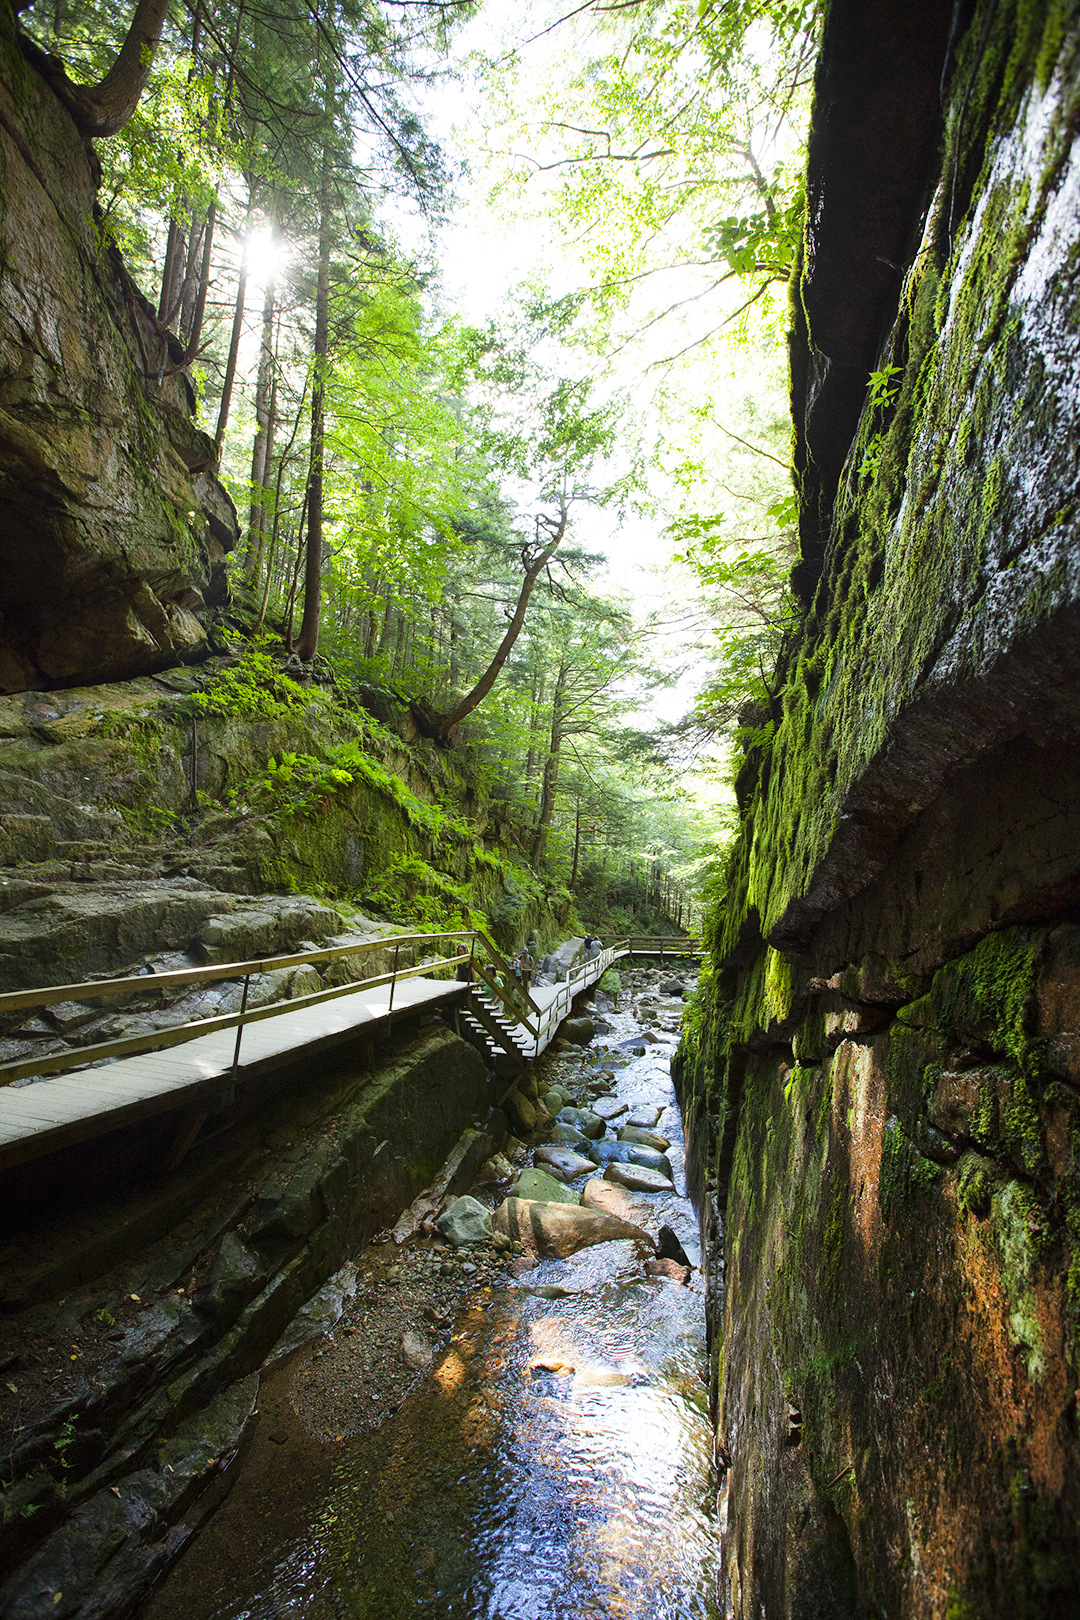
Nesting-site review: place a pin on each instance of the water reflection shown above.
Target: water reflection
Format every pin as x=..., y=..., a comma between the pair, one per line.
x=557, y=1462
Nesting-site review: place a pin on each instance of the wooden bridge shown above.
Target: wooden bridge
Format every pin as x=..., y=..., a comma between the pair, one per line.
x=194, y=1068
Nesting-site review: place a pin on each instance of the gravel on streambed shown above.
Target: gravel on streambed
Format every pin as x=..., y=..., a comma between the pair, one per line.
x=399, y=1320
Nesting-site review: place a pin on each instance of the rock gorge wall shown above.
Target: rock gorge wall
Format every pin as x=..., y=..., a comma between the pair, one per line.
x=175, y=1290
x=883, y=1083
x=113, y=528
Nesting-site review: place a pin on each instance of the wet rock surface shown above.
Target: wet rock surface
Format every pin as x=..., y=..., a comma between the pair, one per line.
x=495, y=1465
x=176, y=1293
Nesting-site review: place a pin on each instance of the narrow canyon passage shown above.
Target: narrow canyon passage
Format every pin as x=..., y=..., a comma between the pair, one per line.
x=555, y=1458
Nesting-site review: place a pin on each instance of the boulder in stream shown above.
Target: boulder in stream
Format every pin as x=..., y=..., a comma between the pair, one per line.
x=645, y=1119
x=521, y=1113
x=598, y=1194
x=630, y=1153
x=537, y=1187
x=558, y=1230
x=568, y=1136
x=465, y=1223
x=563, y=1163
x=579, y=1031
x=638, y=1178
x=668, y=1268
x=635, y=1133
x=583, y=1120
x=609, y=1152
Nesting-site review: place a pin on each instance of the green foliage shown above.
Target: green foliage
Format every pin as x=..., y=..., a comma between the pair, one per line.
x=254, y=688
x=411, y=891
x=884, y=387
x=295, y=784
x=649, y=129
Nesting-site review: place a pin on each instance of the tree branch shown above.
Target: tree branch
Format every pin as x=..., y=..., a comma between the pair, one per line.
x=103, y=109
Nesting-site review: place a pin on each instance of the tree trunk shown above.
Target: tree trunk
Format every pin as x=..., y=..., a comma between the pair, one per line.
x=237, y=325
x=291, y=606
x=189, y=291
x=179, y=219
x=282, y=461
x=104, y=108
x=551, y=771
x=308, y=640
x=169, y=300
x=577, y=846
x=536, y=693
x=388, y=619
x=439, y=726
x=262, y=449
x=202, y=287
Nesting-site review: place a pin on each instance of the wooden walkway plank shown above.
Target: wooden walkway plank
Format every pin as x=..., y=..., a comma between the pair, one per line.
x=53, y=1112
x=75, y=1106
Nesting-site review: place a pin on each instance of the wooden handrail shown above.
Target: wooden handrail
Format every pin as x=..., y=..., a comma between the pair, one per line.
x=500, y=960
x=93, y=989
x=126, y=1046
x=507, y=1002
x=102, y=989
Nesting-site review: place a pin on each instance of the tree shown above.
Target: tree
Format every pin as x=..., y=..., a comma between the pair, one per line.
x=592, y=646
x=666, y=141
x=533, y=559
x=104, y=108
x=546, y=433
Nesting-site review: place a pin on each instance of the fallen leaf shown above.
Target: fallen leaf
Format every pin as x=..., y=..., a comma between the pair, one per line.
x=136, y=1298
x=14, y=1388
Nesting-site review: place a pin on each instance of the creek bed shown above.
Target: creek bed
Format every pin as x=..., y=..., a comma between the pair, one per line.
x=501, y=1489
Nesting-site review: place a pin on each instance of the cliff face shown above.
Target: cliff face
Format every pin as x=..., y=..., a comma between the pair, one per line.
x=884, y=1082
x=113, y=528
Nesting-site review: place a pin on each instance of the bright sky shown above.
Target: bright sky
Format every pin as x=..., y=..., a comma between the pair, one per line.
x=489, y=248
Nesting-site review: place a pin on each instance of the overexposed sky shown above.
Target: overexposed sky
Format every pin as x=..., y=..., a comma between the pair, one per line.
x=501, y=235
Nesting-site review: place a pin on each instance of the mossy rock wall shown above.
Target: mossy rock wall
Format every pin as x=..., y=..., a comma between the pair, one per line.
x=113, y=527
x=882, y=1071
x=404, y=834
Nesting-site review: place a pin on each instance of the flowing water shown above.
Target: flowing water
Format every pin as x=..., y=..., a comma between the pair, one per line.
x=503, y=1490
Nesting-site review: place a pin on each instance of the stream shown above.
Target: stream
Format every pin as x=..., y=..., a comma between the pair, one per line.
x=502, y=1489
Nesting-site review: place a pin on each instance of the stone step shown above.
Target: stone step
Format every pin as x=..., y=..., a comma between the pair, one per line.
x=25, y=838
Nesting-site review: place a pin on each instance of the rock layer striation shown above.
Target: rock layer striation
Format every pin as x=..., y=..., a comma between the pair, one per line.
x=883, y=1096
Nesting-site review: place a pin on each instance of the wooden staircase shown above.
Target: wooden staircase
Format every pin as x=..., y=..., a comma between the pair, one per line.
x=485, y=1025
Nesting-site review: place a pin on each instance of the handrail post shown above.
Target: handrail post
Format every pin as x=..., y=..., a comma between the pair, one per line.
x=240, y=1028
x=393, y=981
x=239, y=1038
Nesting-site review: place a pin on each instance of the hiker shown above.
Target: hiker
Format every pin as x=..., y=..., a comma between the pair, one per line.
x=463, y=973
x=527, y=966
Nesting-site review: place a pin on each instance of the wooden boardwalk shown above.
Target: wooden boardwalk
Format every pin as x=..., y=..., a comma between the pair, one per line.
x=554, y=1002
x=38, y=1119
x=196, y=1075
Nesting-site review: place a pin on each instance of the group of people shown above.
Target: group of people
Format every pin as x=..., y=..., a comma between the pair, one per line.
x=523, y=965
